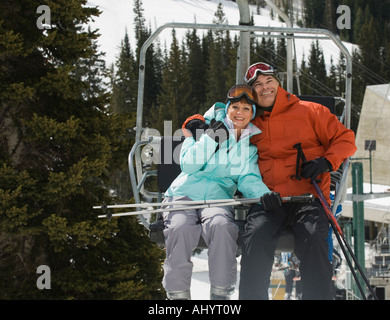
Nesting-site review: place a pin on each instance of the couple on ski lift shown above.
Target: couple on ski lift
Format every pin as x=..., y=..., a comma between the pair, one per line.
x=250, y=144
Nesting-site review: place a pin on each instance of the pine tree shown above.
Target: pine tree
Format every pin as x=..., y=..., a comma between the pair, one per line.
x=229, y=48
x=332, y=78
x=257, y=54
x=317, y=69
x=124, y=85
x=220, y=19
x=370, y=47
x=221, y=73
x=125, y=82
x=313, y=13
x=359, y=87
x=197, y=70
x=152, y=74
x=59, y=146
x=281, y=54
x=216, y=88
x=271, y=50
x=304, y=76
x=341, y=69
x=175, y=100
x=266, y=51
x=358, y=22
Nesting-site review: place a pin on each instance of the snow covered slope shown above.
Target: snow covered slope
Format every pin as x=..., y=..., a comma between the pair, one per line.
x=118, y=16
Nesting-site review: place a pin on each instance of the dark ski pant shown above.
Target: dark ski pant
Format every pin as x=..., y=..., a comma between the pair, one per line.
x=310, y=226
x=289, y=276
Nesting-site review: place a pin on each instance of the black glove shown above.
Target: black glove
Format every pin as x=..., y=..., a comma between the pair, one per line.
x=217, y=131
x=196, y=124
x=312, y=169
x=271, y=201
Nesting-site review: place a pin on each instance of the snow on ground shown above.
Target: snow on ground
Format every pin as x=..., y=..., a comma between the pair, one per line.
x=377, y=210
x=376, y=188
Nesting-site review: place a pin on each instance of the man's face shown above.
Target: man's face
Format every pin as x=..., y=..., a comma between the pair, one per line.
x=266, y=87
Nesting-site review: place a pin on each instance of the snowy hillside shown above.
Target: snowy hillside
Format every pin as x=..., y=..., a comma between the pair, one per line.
x=118, y=16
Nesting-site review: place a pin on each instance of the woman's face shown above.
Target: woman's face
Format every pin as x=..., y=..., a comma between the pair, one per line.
x=240, y=112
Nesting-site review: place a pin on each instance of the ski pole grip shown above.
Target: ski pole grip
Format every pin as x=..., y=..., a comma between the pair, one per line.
x=302, y=198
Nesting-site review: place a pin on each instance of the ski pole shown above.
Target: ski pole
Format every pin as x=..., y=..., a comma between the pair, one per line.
x=339, y=234
x=343, y=243
x=159, y=204
x=302, y=198
x=177, y=206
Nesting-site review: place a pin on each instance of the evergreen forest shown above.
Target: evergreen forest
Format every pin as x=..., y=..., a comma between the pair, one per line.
x=67, y=125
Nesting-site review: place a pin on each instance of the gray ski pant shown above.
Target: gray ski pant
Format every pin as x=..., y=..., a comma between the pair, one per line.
x=182, y=233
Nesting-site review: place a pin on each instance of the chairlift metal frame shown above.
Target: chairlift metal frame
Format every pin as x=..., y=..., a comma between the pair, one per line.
x=136, y=170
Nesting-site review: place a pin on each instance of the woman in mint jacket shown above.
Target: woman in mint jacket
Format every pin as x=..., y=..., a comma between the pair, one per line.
x=213, y=167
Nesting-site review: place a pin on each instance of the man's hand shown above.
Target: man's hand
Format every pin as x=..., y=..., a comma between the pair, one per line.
x=271, y=201
x=312, y=169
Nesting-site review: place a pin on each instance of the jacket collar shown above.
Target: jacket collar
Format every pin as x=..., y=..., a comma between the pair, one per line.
x=249, y=131
x=283, y=101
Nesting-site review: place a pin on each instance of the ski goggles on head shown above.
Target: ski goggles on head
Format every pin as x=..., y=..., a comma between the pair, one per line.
x=254, y=70
x=239, y=92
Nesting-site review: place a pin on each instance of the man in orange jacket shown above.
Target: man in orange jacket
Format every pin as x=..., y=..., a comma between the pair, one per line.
x=285, y=121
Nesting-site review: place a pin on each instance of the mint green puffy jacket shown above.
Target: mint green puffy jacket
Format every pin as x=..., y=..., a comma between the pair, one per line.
x=208, y=174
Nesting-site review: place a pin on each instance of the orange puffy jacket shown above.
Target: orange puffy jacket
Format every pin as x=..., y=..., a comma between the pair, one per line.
x=295, y=121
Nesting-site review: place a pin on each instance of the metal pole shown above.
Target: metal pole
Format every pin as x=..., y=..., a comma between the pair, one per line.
x=243, y=54
x=370, y=171
x=349, y=283
x=358, y=216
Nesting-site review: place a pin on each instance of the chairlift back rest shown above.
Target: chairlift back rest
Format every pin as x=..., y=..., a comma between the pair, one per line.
x=326, y=101
x=168, y=167
x=330, y=103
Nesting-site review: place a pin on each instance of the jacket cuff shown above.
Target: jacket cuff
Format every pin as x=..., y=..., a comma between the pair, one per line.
x=330, y=167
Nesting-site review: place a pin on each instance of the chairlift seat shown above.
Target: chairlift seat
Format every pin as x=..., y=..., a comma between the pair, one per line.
x=168, y=169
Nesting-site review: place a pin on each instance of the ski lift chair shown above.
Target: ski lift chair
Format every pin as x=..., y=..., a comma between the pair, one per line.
x=168, y=168
x=138, y=173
